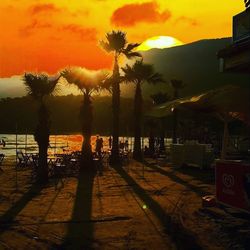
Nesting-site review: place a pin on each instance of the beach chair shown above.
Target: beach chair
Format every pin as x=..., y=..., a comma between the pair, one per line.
x=22, y=159
x=1, y=161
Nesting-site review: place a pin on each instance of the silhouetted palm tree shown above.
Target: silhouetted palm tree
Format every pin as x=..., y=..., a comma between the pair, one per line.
x=87, y=82
x=117, y=44
x=177, y=85
x=160, y=98
x=39, y=86
x=139, y=73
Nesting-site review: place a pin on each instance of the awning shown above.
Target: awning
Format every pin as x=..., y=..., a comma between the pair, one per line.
x=230, y=99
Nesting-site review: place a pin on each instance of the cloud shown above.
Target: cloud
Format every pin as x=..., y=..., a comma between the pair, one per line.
x=131, y=14
x=12, y=87
x=33, y=26
x=86, y=33
x=83, y=32
x=43, y=8
x=188, y=20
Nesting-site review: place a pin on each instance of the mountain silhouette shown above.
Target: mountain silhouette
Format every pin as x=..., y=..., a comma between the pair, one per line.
x=196, y=64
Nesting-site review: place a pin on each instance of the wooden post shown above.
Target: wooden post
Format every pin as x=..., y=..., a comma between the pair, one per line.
x=16, y=184
x=225, y=140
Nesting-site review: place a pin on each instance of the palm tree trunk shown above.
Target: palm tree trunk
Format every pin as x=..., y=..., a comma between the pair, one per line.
x=115, y=159
x=175, y=118
x=87, y=116
x=175, y=124
x=162, y=144
x=42, y=171
x=137, y=154
x=42, y=138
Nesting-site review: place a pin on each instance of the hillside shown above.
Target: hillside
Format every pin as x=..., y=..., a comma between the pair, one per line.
x=64, y=111
x=195, y=63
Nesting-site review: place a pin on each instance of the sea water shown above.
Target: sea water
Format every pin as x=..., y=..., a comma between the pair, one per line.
x=58, y=143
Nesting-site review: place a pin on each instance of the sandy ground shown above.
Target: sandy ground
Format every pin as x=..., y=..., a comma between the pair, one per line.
x=138, y=206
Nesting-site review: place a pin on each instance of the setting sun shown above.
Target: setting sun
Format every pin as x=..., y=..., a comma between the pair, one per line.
x=159, y=42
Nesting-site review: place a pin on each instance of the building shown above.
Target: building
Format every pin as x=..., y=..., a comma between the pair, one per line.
x=236, y=57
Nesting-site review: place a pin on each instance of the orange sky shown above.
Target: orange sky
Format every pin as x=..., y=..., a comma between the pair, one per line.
x=47, y=35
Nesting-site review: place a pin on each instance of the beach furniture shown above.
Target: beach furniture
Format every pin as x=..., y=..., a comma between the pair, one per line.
x=191, y=154
x=23, y=160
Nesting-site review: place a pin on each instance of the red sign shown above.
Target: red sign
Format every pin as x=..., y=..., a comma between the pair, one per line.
x=233, y=184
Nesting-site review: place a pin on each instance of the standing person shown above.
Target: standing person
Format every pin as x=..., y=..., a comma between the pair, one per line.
x=101, y=144
x=98, y=146
x=126, y=145
x=121, y=144
x=110, y=142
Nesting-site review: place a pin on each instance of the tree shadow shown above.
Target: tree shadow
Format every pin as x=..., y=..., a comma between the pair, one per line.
x=206, y=176
x=8, y=217
x=199, y=191
x=50, y=205
x=80, y=229
x=182, y=238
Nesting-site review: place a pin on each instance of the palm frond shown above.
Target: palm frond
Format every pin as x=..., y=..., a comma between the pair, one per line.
x=131, y=46
x=160, y=97
x=141, y=72
x=105, y=46
x=116, y=41
x=130, y=55
x=129, y=74
x=155, y=78
x=40, y=85
x=128, y=51
x=84, y=79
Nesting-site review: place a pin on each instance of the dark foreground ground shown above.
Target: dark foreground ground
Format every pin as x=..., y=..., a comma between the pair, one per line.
x=150, y=206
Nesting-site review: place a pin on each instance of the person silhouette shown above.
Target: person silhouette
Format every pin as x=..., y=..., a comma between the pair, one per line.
x=101, y=143
x=126, y=145
x=110, y=142
x=98, y=146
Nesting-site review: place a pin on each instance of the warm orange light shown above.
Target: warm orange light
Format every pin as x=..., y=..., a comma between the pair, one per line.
x=159, y=42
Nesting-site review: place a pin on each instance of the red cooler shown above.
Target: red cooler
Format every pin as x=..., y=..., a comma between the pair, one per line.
x=233, y=184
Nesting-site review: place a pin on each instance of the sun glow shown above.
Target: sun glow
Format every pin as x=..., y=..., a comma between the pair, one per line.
x=159, y=42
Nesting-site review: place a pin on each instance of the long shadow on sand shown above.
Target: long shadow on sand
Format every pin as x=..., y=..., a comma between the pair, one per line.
x=8, y=217
x=180, y=236
x=80, y=229
x=175, y=178
x=206, y=176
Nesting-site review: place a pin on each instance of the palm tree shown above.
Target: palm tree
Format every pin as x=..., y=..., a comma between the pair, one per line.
x=39, y=86
x=177, y=85
x=139, y=73
x=160, y=98
x=87, y=82
x=117, y=44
